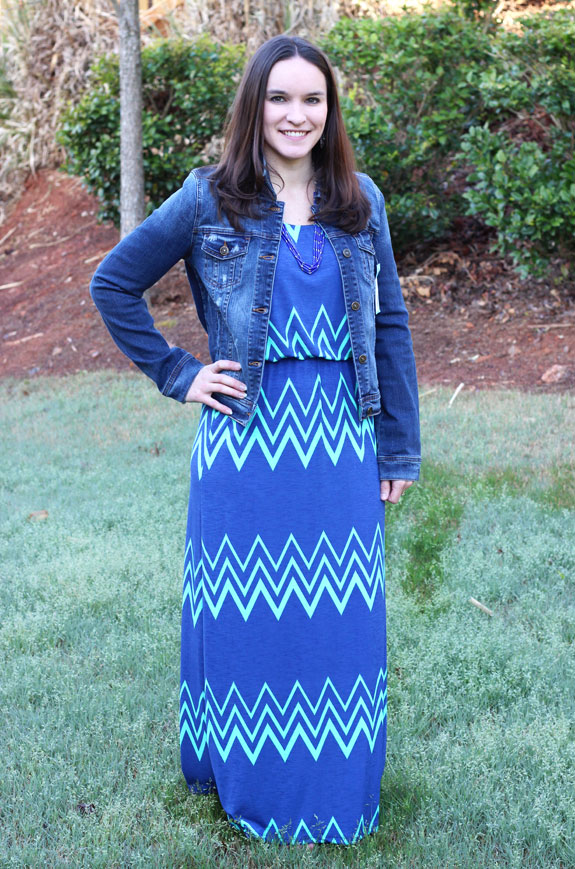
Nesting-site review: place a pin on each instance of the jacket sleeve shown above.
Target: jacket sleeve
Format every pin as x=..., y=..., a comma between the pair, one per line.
x=397, y=426
x=134, y=265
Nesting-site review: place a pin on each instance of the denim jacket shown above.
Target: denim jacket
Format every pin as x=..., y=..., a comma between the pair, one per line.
x=231, y=276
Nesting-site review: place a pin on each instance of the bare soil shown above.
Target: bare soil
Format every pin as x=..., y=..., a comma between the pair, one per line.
x=473, y=321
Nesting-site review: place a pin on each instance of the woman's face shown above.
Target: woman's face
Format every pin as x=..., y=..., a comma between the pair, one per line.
x=295, y=111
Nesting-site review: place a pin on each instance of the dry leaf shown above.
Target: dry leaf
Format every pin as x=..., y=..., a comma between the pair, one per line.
x=423, y=290
x=555, y=374
x=420, y=283
x=38, y=514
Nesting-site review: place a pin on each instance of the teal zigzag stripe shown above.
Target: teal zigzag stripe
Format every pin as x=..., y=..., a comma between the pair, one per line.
x=306, y=426
x=297, y=341
x=346, y=719
x=302, y=833
x=212, y=580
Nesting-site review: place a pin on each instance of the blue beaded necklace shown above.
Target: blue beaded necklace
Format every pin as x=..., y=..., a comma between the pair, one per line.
x=318, y=244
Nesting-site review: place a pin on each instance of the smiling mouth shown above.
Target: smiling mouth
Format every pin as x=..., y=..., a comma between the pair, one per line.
x=294, y=134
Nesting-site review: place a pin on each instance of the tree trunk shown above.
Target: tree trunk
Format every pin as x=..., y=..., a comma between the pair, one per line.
x=132, y=204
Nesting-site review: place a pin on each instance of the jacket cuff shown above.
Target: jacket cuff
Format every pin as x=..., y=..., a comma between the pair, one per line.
x=181, y=377
x=399, y=467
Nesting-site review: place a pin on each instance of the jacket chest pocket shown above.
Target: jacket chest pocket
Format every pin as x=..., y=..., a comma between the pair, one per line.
x=223, y=258
x=367, y=255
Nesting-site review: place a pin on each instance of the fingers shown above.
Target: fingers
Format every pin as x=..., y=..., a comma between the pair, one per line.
x=392, y=490
x=209, y=380
x=220, y=364
x=237, y=386
x=212, y=402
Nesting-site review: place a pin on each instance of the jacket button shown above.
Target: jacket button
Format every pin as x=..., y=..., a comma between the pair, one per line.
x=355, y=306
x=224, y=250
x=255, y=363
x=346, y=251
x=369, y=411
x=362, y=358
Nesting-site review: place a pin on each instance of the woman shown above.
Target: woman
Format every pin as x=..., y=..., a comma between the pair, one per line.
x=309, y=424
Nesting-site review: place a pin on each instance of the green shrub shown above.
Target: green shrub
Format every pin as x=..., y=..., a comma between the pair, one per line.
x=450, y=114
x=187, y=90
x=411, y=92
x=522, y=161
x=446, y=111
x=524, y=191
x=6, y=94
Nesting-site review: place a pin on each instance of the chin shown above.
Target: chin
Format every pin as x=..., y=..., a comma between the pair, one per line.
x=295, y=151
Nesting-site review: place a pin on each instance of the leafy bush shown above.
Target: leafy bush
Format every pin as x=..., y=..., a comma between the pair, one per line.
x=447, y=112
x=6, y=95
x=412, y=92
x=522, y=179
x=526, y=192
x=187, y=89
x=450, y=114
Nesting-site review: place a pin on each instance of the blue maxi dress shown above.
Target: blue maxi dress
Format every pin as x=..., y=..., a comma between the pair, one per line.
x=283, y=659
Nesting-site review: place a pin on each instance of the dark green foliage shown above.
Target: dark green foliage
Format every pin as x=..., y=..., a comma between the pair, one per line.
x=413, y=93
x=522, y=181
x=6, y=93
x=450, y=114
x=525, y=191
x=187, y=90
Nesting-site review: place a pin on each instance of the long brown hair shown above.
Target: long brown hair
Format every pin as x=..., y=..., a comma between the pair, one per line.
x=238, y=179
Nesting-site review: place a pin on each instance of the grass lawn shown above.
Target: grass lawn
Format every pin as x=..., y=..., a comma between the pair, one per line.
x=481, y=750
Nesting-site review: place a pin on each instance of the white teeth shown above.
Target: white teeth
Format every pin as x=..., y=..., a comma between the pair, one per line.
x=295, y=134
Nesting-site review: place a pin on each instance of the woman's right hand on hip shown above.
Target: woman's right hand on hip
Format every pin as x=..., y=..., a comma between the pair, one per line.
x=210, y=379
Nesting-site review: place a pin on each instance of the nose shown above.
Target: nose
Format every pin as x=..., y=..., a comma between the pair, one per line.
x=295, y=115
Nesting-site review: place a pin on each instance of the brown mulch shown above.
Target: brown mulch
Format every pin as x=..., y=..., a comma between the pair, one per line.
x=473, y=321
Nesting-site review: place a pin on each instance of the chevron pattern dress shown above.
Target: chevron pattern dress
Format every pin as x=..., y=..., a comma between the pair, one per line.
x=283, y=667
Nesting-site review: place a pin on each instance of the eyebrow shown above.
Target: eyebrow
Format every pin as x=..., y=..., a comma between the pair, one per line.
x=284, y=93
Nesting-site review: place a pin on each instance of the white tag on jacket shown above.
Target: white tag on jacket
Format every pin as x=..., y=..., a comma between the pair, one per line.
x=376, y=292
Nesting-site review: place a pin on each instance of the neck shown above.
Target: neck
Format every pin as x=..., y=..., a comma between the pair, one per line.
x=288, y=177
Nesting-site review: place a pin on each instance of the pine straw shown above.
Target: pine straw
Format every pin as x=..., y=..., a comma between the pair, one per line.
x=47, y=49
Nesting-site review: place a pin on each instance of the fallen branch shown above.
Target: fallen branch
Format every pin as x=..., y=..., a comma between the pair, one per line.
x=92, y=259
x=22, y=340
x=481, y=606
x=50, y=243
x=8, y=234
x=547, y=325
x=455, y=394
